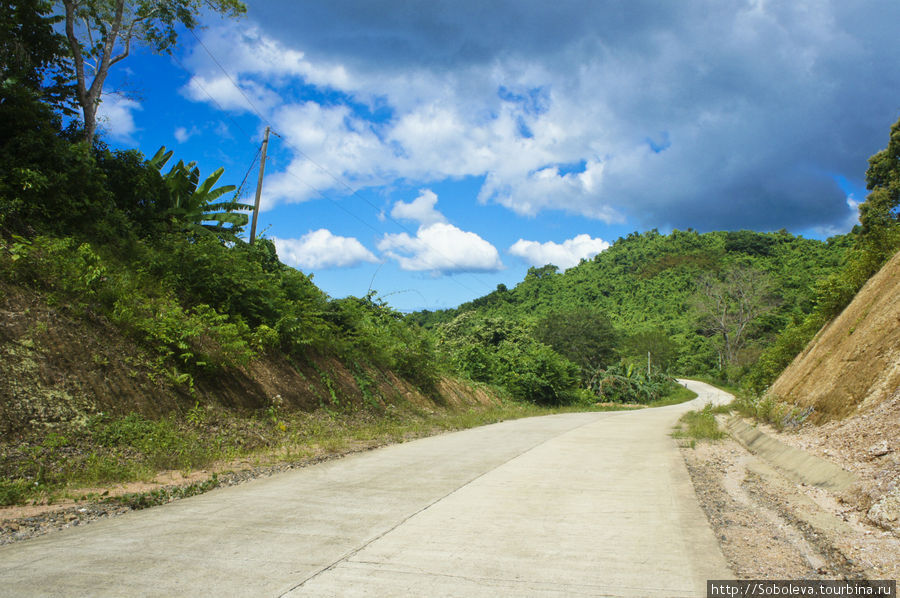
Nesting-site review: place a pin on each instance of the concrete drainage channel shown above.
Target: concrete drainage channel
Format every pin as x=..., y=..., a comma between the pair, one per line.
x=792, y=462
x=799, y=533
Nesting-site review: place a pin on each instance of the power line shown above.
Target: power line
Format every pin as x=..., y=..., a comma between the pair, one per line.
x=233, y=82
x=240, y=188
x=214, y=100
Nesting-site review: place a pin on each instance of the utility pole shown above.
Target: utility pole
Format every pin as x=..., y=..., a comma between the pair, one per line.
x=262, y=171
x=648, y=365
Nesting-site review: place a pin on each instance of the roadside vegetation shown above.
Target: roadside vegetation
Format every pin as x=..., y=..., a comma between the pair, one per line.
x=76, y=461
x=700, y=425
x=733, y=307
x=676, y=397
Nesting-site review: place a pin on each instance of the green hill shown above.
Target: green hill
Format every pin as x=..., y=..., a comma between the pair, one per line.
x=650, y=287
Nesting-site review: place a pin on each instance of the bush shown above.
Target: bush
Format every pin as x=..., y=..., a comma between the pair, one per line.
x=701, y=425
x=625, y=383
x=500, y=352
x=13, y=492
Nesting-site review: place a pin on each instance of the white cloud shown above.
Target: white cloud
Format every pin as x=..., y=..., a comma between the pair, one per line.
x=242, y=95
x=116, y=118
x=243, y=48
x=182, y=134
x=421, y=209
x=441, y=248
x=321, y=249
x=670, y=109
x=565, y=255
x=336, y=145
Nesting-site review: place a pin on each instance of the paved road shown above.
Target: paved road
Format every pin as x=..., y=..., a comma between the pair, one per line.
x=593, y=504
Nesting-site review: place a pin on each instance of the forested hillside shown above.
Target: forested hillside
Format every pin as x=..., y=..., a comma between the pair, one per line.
x=156, y=250
x=737, y=305
x=669, y=295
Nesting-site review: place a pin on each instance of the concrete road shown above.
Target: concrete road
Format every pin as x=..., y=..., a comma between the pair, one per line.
x=593, y=504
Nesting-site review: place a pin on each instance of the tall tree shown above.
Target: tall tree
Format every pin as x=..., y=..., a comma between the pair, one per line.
x=33, y=56
x=101, y=33
x=883, y=180
x=879, y=215
x=729, y=305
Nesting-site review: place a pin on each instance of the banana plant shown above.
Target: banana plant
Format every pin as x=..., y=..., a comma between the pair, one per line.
x=194, y=203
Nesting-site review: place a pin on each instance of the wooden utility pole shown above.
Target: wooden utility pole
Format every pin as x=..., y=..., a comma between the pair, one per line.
x=262, y=171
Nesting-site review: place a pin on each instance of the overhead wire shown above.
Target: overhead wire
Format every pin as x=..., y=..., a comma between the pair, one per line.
x=240, y=188
x=215, y=101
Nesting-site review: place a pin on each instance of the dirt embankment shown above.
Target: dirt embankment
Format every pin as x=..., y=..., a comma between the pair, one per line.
x=850, y=376
x=59, y=368
x=772, y=526
x=853, y=363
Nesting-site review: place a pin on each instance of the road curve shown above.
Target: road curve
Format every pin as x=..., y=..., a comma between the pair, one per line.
x=591, y=504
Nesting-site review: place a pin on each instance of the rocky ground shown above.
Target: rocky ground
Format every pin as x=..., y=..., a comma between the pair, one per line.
x=772, y=528
x=866, y=444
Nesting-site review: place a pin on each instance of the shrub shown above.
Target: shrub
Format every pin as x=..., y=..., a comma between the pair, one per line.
x=626, y=383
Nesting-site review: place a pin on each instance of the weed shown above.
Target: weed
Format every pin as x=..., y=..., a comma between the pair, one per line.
x=701, y=425
x=143, y=500
x=326, y=379
x=14, y=492
x=196, y=414
x=180, y=378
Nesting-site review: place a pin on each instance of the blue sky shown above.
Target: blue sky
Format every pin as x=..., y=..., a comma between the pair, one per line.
x=432, y=150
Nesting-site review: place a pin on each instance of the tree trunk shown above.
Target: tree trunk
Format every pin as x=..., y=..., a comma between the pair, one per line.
x=89, y=110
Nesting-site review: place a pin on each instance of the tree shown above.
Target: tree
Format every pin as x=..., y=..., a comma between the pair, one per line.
x=192, y=202
x=100, y=34
x=663, y=350
x=33, y=56
x=879, y=215
x=883, y=180
x=581, y=335
x=542, y=272
x=727, y=307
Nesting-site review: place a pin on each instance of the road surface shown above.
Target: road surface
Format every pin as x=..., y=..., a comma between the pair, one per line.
x=585, y=504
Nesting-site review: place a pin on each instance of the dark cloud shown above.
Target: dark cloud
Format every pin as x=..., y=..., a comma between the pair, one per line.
x=453, y=33
x=745, y=111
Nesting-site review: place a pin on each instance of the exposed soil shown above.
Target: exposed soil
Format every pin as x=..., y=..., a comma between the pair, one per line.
x=854, y=361
x=772, y=528
x=866, y=444
x=62, y=364
x=848, y=380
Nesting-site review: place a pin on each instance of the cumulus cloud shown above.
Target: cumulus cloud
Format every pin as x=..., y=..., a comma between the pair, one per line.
x=441, y=248
x=564, y=255
x=421, y=209
x=115, y=114
x=320, y=249
x=703, y=113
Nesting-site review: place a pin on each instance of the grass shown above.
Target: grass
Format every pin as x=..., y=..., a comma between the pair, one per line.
x=700, y=425
x=105, y=451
